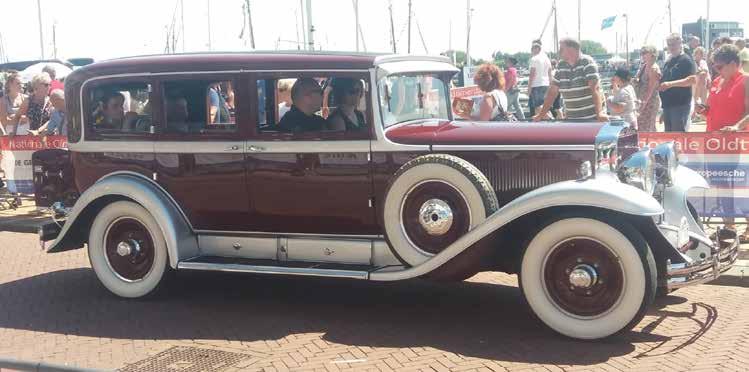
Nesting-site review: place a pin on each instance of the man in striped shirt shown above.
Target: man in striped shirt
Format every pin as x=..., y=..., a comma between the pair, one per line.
x=577, y=80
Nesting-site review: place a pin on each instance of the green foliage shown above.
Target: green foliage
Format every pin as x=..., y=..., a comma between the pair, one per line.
x=592, y=48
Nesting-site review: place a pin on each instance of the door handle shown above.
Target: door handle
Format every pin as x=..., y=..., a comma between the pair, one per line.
x=253, y=148
x=232, y=148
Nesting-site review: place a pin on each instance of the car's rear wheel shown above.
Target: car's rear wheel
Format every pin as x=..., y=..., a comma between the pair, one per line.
x=588, y=279
x=127, y=250
x=432, y=202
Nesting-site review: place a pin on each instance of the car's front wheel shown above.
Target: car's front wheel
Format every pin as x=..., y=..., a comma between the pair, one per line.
x=588, y=279
x=127, y=250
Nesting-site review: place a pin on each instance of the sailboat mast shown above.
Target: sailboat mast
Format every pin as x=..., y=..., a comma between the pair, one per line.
x=54, y=39
x=392, y=26
x=41, y=34
x=249, y=20
x=556, y=30
x=468, y=38
x=409, y=27
x=182, y=22
x=356, y=21
x=208, y=3
x=310, y=27
x=579, y=19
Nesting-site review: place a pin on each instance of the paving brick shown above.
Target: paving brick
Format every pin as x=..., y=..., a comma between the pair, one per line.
x=52, y=309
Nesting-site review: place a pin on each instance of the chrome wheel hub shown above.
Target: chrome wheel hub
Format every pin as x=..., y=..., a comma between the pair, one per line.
x=583, y=276
x=127, y=248
x=435, y=217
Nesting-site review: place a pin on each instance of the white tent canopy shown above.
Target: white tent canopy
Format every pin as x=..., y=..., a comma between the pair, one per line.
x=29, y=72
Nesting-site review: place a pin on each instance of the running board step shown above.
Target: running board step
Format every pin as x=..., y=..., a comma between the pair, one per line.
x=240, y=265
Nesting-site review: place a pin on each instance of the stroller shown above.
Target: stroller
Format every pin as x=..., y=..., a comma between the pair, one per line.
x=8, y=200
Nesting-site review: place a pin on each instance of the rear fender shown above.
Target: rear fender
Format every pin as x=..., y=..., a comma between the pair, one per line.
x=180, y=240
x=602, y=194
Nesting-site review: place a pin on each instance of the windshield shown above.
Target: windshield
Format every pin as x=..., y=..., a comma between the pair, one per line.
x=412, y=97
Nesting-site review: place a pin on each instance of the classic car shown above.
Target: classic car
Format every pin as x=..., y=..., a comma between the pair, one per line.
x=594, y=226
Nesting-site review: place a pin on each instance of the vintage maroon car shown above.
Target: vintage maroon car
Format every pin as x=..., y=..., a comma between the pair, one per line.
x=178, y=163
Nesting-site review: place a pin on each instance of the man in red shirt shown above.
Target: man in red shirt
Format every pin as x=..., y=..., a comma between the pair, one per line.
x=54, y=84
x=511, y=86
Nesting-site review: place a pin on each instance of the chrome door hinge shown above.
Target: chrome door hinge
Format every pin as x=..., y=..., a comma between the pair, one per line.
x=371, y=202
x=155, y=176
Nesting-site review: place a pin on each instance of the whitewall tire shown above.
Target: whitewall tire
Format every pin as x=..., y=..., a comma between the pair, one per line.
x=434, y=200
x=127, y=250
x=588, y=279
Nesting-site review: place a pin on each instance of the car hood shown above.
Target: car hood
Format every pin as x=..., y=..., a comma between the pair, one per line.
x=441, y=132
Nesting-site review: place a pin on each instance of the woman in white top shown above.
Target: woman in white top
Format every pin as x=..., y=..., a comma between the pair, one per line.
x=493, y=106
x=10, y=102
x=623, y=102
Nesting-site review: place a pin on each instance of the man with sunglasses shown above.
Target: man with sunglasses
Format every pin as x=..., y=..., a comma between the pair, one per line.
x=306, y=97
x=679, y=75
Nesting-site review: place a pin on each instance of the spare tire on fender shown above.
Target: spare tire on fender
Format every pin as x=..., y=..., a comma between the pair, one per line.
x=432, y=201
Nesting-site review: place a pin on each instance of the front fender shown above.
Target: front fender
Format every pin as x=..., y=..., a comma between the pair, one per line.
x=180, y=241
x=598, y=193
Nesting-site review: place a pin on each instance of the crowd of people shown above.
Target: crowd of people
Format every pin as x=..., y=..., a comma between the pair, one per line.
x=691, y=82
x=40, y=110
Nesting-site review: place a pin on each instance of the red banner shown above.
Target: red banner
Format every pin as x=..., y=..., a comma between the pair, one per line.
x=32, y=143
x=464, y=92
x=703, y=143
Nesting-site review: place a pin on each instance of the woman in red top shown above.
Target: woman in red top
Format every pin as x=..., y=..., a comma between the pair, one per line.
x=727, y=106
x=727, y=110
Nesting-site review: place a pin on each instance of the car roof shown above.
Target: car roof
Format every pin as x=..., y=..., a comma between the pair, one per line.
x=239, y=61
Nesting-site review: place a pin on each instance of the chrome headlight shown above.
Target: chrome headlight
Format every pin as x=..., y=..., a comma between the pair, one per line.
x=666, y=162
x=639, y=171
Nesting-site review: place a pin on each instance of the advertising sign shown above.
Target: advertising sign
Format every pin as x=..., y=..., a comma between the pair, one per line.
x=723, y=159
x=15, y=159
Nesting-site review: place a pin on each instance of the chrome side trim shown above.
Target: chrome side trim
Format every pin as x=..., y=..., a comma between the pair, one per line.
x=513, y=148
x=356, y=252
x=593, y=193
x=199, y=147
x=277, y=234
x=240, y=247
x=297, y=147
x=278, y=270
x=123, y=146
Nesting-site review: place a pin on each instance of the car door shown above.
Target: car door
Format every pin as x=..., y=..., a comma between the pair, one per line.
x=317, y=183
x=200, y=158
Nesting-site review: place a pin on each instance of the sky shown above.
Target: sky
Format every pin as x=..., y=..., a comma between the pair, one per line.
x=104, y=29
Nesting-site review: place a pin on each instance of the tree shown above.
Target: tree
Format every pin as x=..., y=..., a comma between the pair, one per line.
x=460, y=58
x=522, y=57
x=592, y=48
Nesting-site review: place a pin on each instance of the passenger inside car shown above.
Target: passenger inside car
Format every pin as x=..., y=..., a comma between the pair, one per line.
x=347, y=93
x=306, y=97
x=176, y=111
x=110, y=113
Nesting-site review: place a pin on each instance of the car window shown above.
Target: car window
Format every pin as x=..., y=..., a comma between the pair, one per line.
x=120, y=108
x=198, y=106
x=412, y=97
x=324, y=104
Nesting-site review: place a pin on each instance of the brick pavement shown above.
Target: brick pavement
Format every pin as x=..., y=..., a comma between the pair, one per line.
x=53, y=309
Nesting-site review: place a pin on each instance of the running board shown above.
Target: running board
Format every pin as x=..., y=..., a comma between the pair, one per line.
x=234, y=265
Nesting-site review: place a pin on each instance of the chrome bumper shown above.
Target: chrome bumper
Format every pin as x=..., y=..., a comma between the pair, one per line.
x=725, y=251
